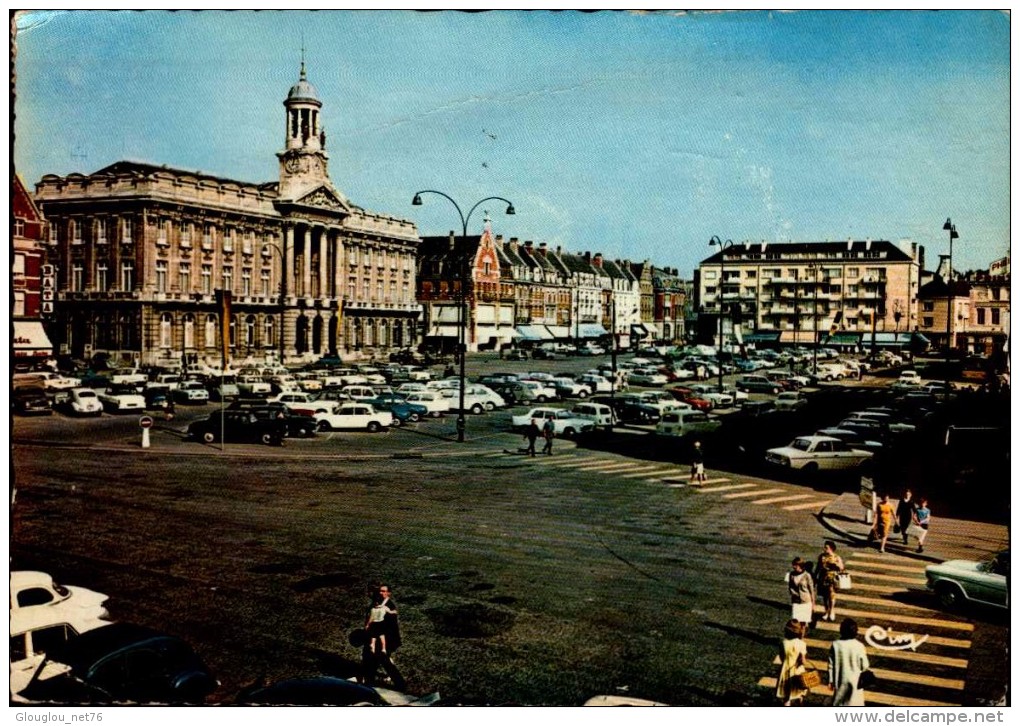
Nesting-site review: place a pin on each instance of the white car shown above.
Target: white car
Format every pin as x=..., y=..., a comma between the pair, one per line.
x=434, y=401
x=411, y=387
x=37, y=591
x=165, y=380
x=355, y=416
x=191, y=392
x=57, y=382
x=122, y=399
x=477, y=399
x=646, y=377
x=128, y=377
x=598, y=413
x=597, y=383
x=33, y=632
x=712, y=394
x=541, y=391
x=815, y=453
x=295, y=400
x=790, y=401
x=253, y=386
x=309, y=382
x=81, y=402
x=686, y=423
x=569, y=388
x=565, y=423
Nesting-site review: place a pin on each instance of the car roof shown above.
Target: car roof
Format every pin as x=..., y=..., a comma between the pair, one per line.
x=90, y=646
x=27, y=578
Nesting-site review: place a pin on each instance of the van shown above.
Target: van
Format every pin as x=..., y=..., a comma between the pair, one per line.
x=760, y=384
x=599, y=414
x=686, y=423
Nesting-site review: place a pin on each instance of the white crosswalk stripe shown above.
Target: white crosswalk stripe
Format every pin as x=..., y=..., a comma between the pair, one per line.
x=918, y=653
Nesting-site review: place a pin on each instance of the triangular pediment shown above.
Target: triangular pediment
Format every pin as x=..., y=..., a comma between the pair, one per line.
x=324, y=197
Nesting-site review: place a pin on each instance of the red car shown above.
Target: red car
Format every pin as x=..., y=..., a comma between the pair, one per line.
x=688, y=396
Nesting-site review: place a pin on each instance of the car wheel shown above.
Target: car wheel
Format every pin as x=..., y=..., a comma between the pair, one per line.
x=324, y=426
x=490, y=406
x=209, y=437
x=949, y=595
x=302, y=432
x=568, y=433
x=267, y=438
x=414, y=418
x=477, y=409
x=540, y=399
x=582, y=394
x=810, y=468
x=373, y=427
x=397, y=423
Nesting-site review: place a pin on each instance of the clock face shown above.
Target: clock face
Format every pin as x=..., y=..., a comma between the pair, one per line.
x=293, y=164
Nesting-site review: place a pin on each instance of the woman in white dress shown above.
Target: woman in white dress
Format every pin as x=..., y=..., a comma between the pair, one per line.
x=847, y=660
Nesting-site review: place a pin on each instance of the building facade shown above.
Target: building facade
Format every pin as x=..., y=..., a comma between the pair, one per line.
x=32, y=292
x=670, y=303
x=794, y=293
x=153, y=263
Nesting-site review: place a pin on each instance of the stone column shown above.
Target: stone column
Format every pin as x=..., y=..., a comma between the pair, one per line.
x=323, y=279
x=287, y=277
x=338, y=249
x=306, y=267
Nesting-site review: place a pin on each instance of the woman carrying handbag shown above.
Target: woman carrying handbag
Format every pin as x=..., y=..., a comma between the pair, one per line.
x=828, y=571
x=791, y=687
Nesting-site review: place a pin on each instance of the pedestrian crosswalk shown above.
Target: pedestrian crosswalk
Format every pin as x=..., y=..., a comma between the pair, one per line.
x=670, y=475
x=918, y=654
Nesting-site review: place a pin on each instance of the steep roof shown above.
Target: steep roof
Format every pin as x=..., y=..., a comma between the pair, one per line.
x=745, y=250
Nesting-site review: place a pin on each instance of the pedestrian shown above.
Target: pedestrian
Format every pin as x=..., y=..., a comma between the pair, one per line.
x=884, y=517
x=531, y=434
x=168, y=410
x=549, y=433
x=374, y=626
x=847, y=660
x=827, y=572
x=904, y=514
x=697, y=464
x=802, y=592
x=922, y=517
x=375, y=654
x=793, y=659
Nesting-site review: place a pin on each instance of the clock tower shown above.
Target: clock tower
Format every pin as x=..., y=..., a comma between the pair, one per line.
x=303, y=159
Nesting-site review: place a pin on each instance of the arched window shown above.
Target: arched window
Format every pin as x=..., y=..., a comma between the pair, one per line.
x=189, y=331
x=269, y=333
x=210, y=331
x=166, y=327
x=249, y=331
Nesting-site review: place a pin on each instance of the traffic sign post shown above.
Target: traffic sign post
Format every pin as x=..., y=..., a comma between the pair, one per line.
x=146, y=423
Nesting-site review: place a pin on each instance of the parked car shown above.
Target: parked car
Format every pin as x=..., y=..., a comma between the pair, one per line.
x=122, y=399
x=30, y=401
x=37, y=591
x=687, y=423
x=252, y=385
x=127, y=377
x=597, y=383
x=853, y=439
x=567, y=387
x=544, y=354
x=400, y=407
x=646, y=377
x=238, y=426
x=79, y=402
x=34, y=633
x=515, y=354
x=565, y=423
x=815, y=453
x=960, y=582
x=223, y=391
x=909, y=378
x=433, y=401
x=191, y=392
x=630, y=410
x=327, y=691
x=296, y=424
x=892, y=425
x=355, y=416
x=711, y=393
x=123, y=663
x=55, y=382
x=790, y=401
x=598, y=413
x=688, y=396
x=759, y=384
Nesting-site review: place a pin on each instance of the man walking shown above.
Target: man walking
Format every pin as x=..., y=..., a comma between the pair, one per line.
x=532, y=436
x=905, y=513
x=379, y=651
x=697, y=465
x=549, y=432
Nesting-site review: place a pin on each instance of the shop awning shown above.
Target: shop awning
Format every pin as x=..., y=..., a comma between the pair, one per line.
x=534, y=332
x=591, y=330
x=491, y=331
x=842, y=339
x=886, y=340
x=771, y=336
x=559, y=331
x=638, y=330
x=30, y=339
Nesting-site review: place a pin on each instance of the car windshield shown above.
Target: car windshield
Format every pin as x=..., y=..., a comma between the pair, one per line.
x=801, y=444
x=86, y=394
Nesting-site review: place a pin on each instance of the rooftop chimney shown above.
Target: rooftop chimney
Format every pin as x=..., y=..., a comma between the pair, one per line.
x=542, y=249
x=587, y=257
x=597, y=259
x=528, y=244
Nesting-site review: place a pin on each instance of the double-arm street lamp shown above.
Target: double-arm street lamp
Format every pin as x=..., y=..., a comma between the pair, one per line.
x=815, y=269
x=462, y=323
x=951, y=228
x=266, y=246
x=715, y=241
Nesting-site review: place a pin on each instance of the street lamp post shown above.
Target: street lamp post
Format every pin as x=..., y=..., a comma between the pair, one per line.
x=715, y=241
x=461, y=345
x=951, y=228
x=283, y=289
x=814, y=317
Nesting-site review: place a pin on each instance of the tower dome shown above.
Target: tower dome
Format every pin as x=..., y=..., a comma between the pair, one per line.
x=303, y=91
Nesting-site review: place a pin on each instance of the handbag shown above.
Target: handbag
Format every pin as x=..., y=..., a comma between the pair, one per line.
x=843, y=581
x=867, y=679
x=807, y=680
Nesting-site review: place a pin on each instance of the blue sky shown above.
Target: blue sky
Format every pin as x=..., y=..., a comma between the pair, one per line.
x=638, y=136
